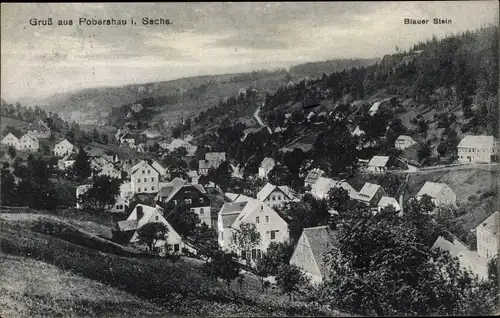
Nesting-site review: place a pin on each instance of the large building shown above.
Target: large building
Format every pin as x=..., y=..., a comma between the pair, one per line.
x=63, y=148
x=309, y=253
x=275, y=196
x=10, y=140
x=487, y=236
x=478, y=149
x=269, y=224
x=28, y=143
x=144, y=178
x=404, y=142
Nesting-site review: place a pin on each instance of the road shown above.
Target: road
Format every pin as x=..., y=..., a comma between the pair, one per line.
x=489, y=167
x=259, y=120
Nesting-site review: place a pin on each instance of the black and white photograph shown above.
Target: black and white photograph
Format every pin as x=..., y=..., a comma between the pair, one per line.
x=239, y=159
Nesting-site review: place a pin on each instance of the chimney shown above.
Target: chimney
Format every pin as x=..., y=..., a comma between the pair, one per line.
x=140, y=213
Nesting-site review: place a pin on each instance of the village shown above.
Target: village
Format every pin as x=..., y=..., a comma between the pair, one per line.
x=148, y=192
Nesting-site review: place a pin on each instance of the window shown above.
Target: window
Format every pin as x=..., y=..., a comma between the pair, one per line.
x=153, y=188
x=201, y=211
x=261, y=208
x=267, y=218
x=188, y=201
x=176, y=247
x=254, y=254
x=149, y=171
x=138, y=180
x=145, y=179
x=273, y=235
x=201, y=200
x=138, y=189
x=257, y=220
x=156, y=217
x=152, y=179
x=273, y=198
x=142, y=171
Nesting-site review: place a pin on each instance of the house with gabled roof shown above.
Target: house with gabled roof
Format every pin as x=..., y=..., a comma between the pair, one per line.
x=178, y=143
x=386, y=201
x=144, y=178
x=371, y=194
x=63, y=148
x=275, y=196
x=236, y=197
x=312, y=176
x=266, y=166
x=269, y=224
x=110, y=170
x=487, y=236
x=440, y=193
x=142, y=215
x=323, y=185
x=28, y=143
x=378, y=164
x=478, y=149
x=10, y=140
x=309, y=253
x=403, y=142
x=191, y=197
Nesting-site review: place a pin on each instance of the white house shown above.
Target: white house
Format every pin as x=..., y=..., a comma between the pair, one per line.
x=440, y=193
x=478, y=149
x=178, y=143
x=39, y=130
x=63, y=148
x=309, y=253
x=66, y=162
x=151, y=134
x=378, y=164
x=269, y=224
x=142, y=215
x=144, y=178
x=28, y=143
x=487, y=236
x=275, y=196
x=161, y=170
x=322, y=186
x=265, y=167
x=386, y=201
x=10, y=140
x=468, y=260
x=371, y=194
x=312, y=176
x=403, y=142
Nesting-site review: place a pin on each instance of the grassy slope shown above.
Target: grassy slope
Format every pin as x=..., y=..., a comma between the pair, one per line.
x=19, y=124
x=179, y=288
x=31, y=288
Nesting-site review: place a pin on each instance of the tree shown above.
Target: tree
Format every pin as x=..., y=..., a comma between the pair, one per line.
x=278, y=254
x=338, y=199
x=82, y=169
x=423, y=151
x=263, y=268
x=9, y=195
x=206, y=238
x=151, y=233
x=12, y=152
x=102, y=193
x=222, y=265
x=245, y=238
x=182, y=219
x=290, y=279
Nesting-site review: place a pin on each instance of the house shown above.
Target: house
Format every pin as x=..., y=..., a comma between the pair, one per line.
x=141, y=148
x=487, y=236
x=161, y=170
x=275, y=196
x=269, y=224
x=143, y=214
x=440, y=193
x=265, y=166
x=39, y=130
x=63, y=148
x=120, y=133
x=310, y=250
x=144, y=178
x=386, y=201
x=120, y=205
x=478, y=149
x=374, y=108
x=378, y=164
x=193, y=197
x=151, y=134
x=193, y=176
x=111, y=171
x=322, y=186
x=10, y=140
x=357, y=132
x=127, y=138
x=371, y=194
x=468, y=260
x=178, y=143
x=212, y=160
x=28, y=143
x=97, y=163
x=235, y=197
x=312, y=176
x=403, y=142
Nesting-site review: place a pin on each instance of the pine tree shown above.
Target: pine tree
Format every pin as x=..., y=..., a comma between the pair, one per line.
x=81, y=168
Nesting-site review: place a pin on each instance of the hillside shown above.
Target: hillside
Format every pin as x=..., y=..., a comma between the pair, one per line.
x=91, y=105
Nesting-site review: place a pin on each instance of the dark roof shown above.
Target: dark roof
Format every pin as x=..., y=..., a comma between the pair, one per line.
x=320, y=239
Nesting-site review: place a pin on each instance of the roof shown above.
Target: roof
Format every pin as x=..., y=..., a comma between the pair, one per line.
x=268, y=161
x=346, y=186
x=375, y=107
x=128, y=225
x=490, y=224
x=147, y=211
x=171, y=189
x=320, y=238
x=192, y=173
x=478, y=142
x=368, y=191
x=10, y=134
x=432, y=189
x=313, y=175
x=215, y=156
x=288, y=192
x=230, y=212
x=386, y=201
x=304, y=146
x=357, y=132
x=378, y=161
x=251, y=205
x=474, y=262
x=265, y=191
x=405, y=138
x=33, y=138
x=39, y=125
x=140, y=164
x=454, y=247
x=204, y=164
x=323, y=183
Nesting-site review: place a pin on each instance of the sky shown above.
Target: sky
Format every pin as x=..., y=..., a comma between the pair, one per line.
x=207, y=38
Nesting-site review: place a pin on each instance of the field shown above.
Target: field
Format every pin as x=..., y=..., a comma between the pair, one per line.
x=69, y=253
x=19, y=124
